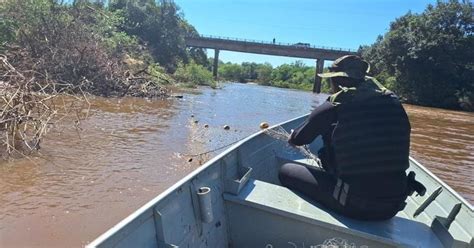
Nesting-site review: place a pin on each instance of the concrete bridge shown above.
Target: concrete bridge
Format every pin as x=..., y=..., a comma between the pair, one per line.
x=297, y=50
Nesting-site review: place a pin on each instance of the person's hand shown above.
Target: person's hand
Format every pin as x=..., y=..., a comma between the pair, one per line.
x=289, y=138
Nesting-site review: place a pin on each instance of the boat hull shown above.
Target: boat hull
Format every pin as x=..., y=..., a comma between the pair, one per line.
x=250, y=208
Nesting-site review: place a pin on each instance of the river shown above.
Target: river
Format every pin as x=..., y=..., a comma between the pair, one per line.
x=130, y=150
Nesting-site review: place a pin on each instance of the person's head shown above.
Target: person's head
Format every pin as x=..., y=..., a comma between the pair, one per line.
x=346, y=71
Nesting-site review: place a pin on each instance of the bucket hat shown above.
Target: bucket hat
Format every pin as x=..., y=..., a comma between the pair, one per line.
x=350, y=66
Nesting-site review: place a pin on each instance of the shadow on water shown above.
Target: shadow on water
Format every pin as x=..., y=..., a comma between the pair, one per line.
x=128, y=151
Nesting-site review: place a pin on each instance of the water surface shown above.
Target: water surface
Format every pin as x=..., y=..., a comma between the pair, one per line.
x=130, y=150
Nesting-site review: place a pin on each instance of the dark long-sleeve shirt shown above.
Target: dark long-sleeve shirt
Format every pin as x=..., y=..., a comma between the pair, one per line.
x=319, y=122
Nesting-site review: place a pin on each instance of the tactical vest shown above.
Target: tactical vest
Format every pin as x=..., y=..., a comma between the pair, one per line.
x=372, y=134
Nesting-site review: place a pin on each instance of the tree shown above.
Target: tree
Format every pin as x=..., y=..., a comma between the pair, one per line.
x=232, y=72
x=428, y=58
x=249, y=70
x=282, y=73
x=162, y=27
x=264, y=73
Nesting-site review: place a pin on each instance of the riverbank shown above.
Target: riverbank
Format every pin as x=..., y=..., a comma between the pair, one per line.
x=104, y=49
x=465, y=105
x=299, y=76
x=50, y=49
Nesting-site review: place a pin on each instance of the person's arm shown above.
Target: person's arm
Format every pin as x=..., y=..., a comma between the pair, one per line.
x=317, y=123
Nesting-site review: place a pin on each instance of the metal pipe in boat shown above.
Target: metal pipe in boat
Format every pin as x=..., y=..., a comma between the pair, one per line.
x=205, y=204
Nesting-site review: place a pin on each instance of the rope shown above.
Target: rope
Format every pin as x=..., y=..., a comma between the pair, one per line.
x=213, y=150
x=278, y=133
x=281, y=134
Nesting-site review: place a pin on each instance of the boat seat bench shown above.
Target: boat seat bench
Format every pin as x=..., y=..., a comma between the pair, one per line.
x=281, y=201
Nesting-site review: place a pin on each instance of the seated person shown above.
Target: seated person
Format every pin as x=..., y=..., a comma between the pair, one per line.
x=366, y=136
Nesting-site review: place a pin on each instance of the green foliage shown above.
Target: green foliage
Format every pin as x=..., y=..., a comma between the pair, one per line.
x=28, y=21
x=264, y=73
x=428, y=58
x=79, y=44
x=197, y=55
x=162, y=27
x=7, y=27
x=158, y=74
x=232, y=72
x=249, y=70
x=101, y=45
x=194, y=74
x=63, y=42
x=294, y=76
x=107, y=25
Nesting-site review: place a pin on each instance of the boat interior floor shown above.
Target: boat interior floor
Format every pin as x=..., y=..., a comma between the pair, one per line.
x=264, y=213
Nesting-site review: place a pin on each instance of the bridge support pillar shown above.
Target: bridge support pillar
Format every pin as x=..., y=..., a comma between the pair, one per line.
x=317, y=79
x=216, y=63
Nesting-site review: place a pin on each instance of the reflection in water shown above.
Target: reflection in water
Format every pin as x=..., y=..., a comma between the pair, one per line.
x=128, y=152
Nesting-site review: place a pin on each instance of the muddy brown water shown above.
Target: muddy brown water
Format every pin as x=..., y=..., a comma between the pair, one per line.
x=129, y=150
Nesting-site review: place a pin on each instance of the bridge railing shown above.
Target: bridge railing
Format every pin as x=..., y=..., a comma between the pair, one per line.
x=300, y=45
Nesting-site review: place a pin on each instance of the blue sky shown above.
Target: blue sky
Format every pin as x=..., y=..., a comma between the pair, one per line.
x=334, y=23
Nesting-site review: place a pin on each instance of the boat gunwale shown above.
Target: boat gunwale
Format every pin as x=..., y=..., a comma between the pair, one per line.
x=103, y=237
x=146, y=207
x=443, y=184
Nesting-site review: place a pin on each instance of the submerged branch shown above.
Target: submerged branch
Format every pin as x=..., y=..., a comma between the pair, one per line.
x=29, y=105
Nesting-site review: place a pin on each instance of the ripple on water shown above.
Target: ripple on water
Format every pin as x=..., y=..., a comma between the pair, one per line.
x=443, y=141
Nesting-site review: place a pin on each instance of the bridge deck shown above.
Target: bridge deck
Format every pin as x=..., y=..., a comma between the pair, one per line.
x=298, y=50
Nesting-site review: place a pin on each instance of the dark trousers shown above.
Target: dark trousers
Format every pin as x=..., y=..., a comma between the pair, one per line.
x=319, y=186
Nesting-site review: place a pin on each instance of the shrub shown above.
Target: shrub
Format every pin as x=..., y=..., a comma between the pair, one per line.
x=194, y=74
